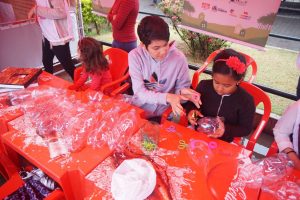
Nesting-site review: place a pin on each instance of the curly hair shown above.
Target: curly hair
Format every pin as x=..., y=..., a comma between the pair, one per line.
x=91, y=54
x=153, y=28
x=222, y=68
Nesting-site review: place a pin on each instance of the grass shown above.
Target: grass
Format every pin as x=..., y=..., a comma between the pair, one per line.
x=276, y=68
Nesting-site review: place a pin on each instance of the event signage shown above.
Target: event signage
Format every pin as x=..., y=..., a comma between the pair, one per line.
x=247, y=22
x=102, y=7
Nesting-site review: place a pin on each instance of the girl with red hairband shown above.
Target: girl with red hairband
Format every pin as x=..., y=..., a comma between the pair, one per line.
x=222, y=97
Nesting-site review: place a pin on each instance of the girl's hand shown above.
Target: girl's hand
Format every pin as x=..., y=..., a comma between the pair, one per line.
x=193, y=116
x=174, y=101
x=220, y=131
x=192, y=96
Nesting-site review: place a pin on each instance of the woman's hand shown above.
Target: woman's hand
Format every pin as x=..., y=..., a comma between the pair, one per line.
x=220, y=131
x=192, y=96
x=193, y=116
x=174, y=101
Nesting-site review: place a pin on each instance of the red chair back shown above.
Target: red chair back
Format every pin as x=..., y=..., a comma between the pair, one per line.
x=118, y=62
x=249, y=62
x=259, y=96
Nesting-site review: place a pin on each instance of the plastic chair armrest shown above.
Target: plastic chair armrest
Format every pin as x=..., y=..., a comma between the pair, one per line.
x=253, y=139
x=120, y=89
x=273, y=149
x=77, y=73
x=113, y=83
x=237, y=141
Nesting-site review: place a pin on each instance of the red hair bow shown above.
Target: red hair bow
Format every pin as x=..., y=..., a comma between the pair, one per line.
x=234, y=63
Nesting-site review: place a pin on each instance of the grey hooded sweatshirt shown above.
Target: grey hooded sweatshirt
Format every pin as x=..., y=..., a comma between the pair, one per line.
x=152, y=80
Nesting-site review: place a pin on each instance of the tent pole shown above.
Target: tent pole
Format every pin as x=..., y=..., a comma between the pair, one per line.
x=80, y=20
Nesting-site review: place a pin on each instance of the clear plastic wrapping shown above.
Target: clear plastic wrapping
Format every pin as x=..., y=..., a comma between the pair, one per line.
x=207, y=125
x=115, y=130
x=69, y=121
x=272, y=175
x=201, y=153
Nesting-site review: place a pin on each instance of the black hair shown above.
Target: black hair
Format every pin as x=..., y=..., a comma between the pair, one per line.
x=221, y=66
x=153, y=28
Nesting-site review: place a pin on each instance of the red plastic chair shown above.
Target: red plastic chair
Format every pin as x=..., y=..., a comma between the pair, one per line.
x=196, y=79
x=249, y=61
x=273, y=149
x=118, y=64
x=259, y=96
x=11, y=173
x=14, y=181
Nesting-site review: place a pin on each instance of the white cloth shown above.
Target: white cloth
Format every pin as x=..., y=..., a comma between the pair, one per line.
x=134, y=179
x=50, y=25
x=288, y=124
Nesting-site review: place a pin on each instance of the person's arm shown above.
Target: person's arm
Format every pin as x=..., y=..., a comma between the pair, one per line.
x=125, y=8
x=80, y=82
x=284, y=127
x=190, y=105
x=246, y=117
x=57, y=10
x=110, y=14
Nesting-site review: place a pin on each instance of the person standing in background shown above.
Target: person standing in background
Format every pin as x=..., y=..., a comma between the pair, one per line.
x=123, y=16
x=55, y=22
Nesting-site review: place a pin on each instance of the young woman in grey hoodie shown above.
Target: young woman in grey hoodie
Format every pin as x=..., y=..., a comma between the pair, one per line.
x=159, y=71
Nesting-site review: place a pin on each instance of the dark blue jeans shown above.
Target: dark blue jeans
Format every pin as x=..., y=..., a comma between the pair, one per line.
x=126, y=46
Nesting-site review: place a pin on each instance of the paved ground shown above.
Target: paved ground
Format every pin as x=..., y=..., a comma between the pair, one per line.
x=286, y=23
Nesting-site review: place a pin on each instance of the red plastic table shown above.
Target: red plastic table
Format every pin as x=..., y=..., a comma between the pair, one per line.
x=68, y=172
x=198, y=183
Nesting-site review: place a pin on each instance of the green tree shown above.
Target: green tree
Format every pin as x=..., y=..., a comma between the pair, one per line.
x=91, y=19
x=199, y=45
x=187, y=6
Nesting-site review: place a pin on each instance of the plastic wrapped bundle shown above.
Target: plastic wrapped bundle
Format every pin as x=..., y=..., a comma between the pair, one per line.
x=207, y=125
x=96, y=138
x=149, y=135
x=120, y=134
x=272, y=175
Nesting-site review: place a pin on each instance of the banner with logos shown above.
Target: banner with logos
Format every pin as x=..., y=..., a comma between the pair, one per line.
x=102, y=7
x=247, y=22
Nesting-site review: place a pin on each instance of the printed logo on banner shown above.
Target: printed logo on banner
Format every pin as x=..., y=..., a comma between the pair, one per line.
x=241, y=21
